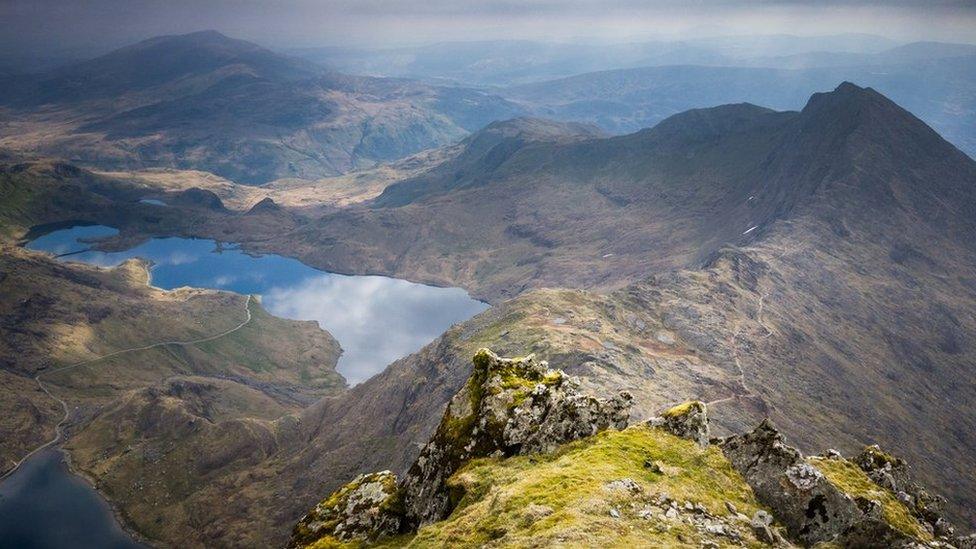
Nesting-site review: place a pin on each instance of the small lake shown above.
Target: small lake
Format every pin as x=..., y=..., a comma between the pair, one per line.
x=42, y=506
x=376, y=319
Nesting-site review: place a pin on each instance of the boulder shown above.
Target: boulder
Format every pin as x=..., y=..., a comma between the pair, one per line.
x=366, y=508
x=813, y=508
x=687, y=420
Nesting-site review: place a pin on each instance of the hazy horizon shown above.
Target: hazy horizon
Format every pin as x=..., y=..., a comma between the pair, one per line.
x=58, y=28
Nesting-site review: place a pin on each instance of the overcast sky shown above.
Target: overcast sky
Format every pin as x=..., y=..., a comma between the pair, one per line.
x=94, y=26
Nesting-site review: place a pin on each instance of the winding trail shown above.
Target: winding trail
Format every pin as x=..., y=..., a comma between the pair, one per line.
x=59, y=428
x=747, y=391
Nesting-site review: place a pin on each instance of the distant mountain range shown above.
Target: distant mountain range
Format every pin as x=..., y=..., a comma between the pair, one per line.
x=939, y=91
x=206, y=101
x=626, y=87
x=513, y=62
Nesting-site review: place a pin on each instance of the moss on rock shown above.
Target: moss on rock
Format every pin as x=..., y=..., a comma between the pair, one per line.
x=366, y=508
x=573, y=486
x=687, y=420
x=508, y=406
x=851, y=480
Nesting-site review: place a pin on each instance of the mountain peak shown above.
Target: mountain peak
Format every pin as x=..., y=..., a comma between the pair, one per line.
x=846, y=93
x=205, y=38
x=698, y=124
x=209, y=34
x=484, y=152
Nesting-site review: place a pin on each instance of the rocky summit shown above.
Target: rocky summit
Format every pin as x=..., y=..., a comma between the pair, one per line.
x=508, y=407
x=522, y=457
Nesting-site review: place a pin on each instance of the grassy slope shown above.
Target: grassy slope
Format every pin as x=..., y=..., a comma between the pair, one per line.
x=572, y=482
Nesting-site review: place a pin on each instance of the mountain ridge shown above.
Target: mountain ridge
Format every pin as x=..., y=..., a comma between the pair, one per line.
x=626, y=100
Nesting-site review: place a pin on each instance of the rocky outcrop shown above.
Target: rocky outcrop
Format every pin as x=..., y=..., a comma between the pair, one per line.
x=509, y=406
x=265, y=205
x=195, y=197
x=812, y=509
x=895, y=475
x=831, y=499
x=365, y=508
x=687, y=420
x=517, y=406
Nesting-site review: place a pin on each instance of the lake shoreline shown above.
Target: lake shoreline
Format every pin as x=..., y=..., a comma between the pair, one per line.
x=117, y=514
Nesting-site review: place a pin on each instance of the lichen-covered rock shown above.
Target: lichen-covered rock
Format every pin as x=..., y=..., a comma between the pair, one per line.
x=508, y=407
x=894, y=474
x=687, y=420
x=812, y=509
x=821, y=499
x=366, y=508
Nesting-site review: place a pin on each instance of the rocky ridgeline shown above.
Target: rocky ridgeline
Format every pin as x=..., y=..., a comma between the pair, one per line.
x=507, y=407
x=513, y=407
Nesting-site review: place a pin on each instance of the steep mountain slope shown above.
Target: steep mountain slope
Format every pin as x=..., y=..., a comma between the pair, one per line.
x=937, y=90
x=845, y=319
x=205, y=101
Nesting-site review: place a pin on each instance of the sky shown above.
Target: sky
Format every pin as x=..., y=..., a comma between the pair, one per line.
x=86, y=27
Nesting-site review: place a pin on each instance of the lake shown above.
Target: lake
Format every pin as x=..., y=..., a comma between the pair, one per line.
x=376, y=320
x=42, y=505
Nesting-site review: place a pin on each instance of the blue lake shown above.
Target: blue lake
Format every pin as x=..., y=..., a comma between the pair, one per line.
x=376, y=319
x=42, y=506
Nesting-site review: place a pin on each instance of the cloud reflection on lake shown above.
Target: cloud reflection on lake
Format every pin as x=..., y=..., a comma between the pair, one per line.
x=381, y=317
x=376, y=319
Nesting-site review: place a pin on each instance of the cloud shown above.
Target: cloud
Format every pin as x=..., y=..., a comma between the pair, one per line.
x=103, y=24
x=375, y=319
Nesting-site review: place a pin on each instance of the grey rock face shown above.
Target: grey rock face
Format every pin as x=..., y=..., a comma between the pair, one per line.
x=365, y=508
x=812, y=509
x=688, y=420
x=894, y=474
x=508, y=407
